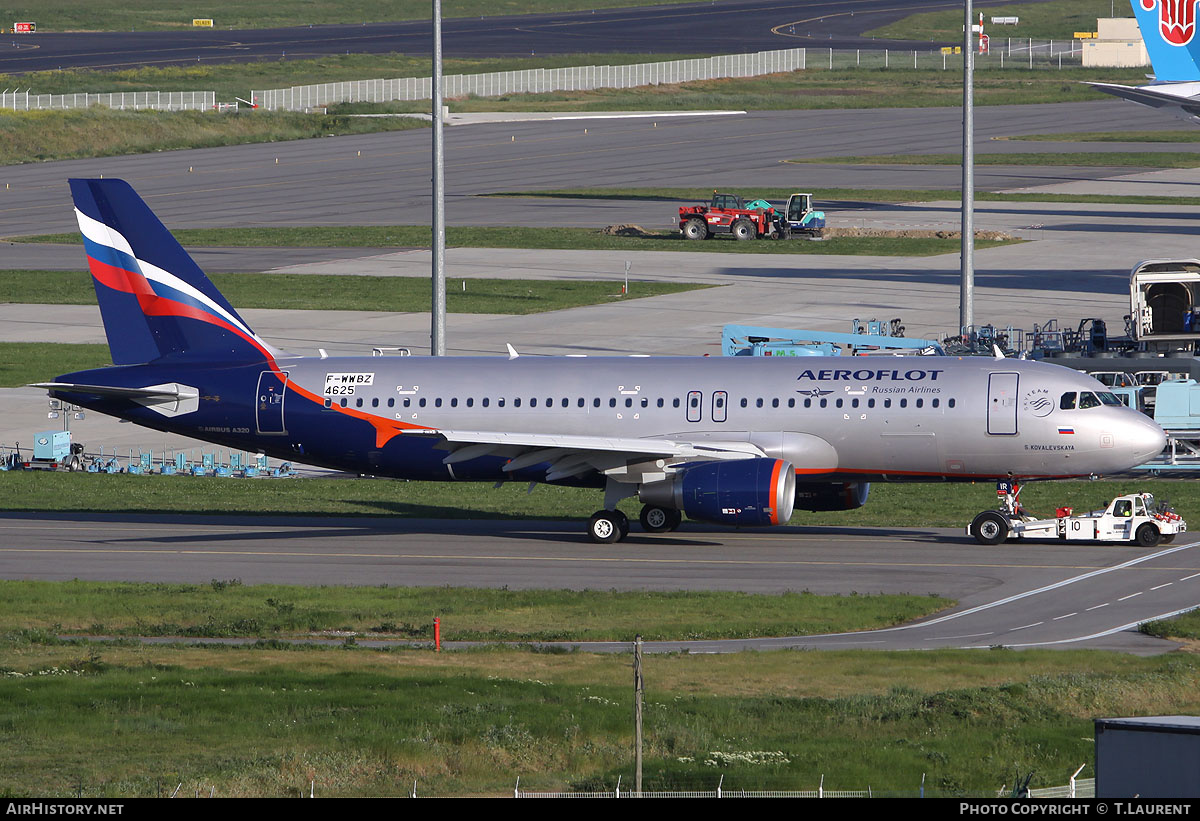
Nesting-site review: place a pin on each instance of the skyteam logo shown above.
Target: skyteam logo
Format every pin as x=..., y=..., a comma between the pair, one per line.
x=1176, y=19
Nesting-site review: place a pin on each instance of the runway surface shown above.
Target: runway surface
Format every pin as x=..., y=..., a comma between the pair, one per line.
x=725, y=27
x=383, y=179
x=1018, y=594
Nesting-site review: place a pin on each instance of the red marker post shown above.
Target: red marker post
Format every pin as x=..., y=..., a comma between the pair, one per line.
x=437, y=635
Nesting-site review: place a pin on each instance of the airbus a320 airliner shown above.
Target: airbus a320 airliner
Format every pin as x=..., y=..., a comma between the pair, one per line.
x=726, y=440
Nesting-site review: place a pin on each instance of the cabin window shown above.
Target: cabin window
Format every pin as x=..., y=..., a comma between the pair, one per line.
x=1067, y=402
x=391, y=402
x=470, y=401
x=887, y=403
x=533, y=402
x=375, y=402
x=775, y=402
x=824, y=403
x=920, y=403
x=660, y=402
x=934, y=403
x=500, y=401
x=485, y=401
x=612, y=402
x=596, y=402
x=791, y=401
x=745, y=402
x=437, y=403
x=808, y=403
x=675, y=402
x=345, y=402
x=838, y=403
x=358, y=402
x=645, y=401
x=904, y=403
x=628, y=402
x=758, y=402
x=516, y=402
x=854, y=403
x=454, y=402
x=870, y=403
x=950, y=403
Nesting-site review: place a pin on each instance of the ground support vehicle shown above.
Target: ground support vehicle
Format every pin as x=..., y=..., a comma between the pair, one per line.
x=799, y=218
x=54, y=450
x=1134, y=517
x=726, y=213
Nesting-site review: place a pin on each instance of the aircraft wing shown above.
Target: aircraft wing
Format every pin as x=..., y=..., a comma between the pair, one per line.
x=571, y=455
x=1149, y=95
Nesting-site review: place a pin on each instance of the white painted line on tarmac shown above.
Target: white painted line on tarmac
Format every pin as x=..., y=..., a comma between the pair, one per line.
x=1060, y=618
x=1161, y=586
x=968, y=636
x=1130, y=596
x=1185, y=578
x=1035, y=624
x=1097, y=607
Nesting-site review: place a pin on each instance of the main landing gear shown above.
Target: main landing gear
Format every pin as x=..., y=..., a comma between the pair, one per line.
x=608, y=526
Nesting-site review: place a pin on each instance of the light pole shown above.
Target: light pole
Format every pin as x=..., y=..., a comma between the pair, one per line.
x=966, y=299
x=437, y=331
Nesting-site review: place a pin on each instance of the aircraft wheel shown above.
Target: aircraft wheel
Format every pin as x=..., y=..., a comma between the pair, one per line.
x=742, y=229
x=989, y=527
x=605, y=526
x=1147, y=535
x=695, y=229
x=657, y=519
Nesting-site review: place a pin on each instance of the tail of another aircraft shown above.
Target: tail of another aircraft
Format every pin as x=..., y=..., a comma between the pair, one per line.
x=1169, y=31
x=154, y=300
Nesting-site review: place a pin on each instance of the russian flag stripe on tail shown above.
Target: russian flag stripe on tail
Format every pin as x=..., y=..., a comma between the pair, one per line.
x=154, y=299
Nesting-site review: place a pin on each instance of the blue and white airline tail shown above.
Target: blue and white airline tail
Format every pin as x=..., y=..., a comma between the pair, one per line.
x=154, y=300
x=1168, y=29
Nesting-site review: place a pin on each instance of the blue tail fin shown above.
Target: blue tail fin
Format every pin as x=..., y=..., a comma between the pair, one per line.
x=1169, y=32
x=154, y=300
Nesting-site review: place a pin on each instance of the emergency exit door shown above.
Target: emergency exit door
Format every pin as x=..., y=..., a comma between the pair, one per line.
x=268, y=405
x=1002, y=404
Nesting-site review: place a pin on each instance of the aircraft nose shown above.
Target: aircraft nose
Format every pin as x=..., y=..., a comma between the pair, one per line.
x=1145, y=440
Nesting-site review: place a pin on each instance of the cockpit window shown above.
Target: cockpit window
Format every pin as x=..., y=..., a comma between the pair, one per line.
x=1087, y=399
x=1109, y=398
x=1067, y=402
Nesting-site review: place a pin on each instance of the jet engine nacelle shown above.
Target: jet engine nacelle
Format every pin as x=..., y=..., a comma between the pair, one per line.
x=742, y=492
x=831, y=495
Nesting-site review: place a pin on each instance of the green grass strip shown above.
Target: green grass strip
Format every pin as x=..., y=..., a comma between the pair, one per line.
x=37, y=136
x=136, y=721
x=890, y=505
x=1165, y=159
x=566, y=239
x=833, y=197
x=330, y=292
x=1175, y=136
x=24, y=362
x=1056, y=20
x=223, y=609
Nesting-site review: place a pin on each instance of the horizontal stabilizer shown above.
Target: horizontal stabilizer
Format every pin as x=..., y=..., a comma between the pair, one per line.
x=155, y=392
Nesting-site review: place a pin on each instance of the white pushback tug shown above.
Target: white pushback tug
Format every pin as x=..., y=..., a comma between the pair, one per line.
x=1134, y=517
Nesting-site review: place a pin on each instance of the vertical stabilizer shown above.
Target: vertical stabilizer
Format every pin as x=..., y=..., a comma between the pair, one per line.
x=155, y=301
x=1169, y=31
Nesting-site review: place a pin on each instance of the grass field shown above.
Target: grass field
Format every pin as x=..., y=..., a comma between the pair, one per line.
x=37, y=136
x=108, y=721
x=890, y=505
x=358, y=293
x=1108, y=159
x=24, y=362
x=584, y=239
x=148, y=15
x=1175, y=136
x=222, y=609
x=1058, y=20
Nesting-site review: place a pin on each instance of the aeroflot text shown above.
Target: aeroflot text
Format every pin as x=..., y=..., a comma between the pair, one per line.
x=867, y=375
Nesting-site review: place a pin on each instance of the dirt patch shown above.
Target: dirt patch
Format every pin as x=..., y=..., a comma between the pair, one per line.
x=915, y=233
x=625, y=230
